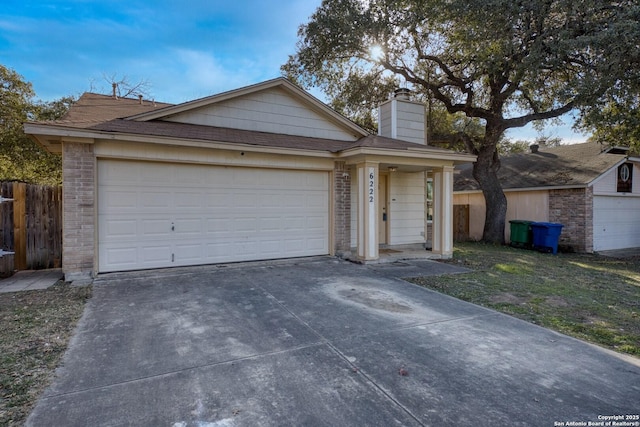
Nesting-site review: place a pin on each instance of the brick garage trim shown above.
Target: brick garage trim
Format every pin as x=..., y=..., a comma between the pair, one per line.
x=573, y=208
x=78, y=226
x=342, y=210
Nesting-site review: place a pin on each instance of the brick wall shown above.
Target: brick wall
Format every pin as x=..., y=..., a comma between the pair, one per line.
x=573, y=208
x=342, y=197
x=78, y=227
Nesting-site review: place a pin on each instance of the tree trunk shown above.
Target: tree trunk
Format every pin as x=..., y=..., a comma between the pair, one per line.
x=485, y=171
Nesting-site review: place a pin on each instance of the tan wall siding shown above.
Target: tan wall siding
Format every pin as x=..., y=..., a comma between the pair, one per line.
x=273, y=111
x=573, y=208
x=524, y=205
x=527, y=205
x=78, y=235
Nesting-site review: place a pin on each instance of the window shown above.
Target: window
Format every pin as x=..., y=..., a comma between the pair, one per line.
x=625, y=178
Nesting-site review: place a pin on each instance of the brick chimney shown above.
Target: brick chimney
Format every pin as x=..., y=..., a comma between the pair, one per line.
x=401, y=118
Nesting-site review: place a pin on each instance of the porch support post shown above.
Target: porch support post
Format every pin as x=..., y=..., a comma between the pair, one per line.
x=443, y=211
x=367, y=173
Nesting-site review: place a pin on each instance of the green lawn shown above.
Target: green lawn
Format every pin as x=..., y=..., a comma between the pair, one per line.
x=590, y=297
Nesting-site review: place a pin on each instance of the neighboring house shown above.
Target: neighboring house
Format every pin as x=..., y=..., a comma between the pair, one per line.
x=586, y=187
x=262, y=172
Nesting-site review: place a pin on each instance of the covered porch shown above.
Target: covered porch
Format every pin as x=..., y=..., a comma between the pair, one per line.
x=401, y=203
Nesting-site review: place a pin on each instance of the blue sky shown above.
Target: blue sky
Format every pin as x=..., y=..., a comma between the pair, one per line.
x=185, y=49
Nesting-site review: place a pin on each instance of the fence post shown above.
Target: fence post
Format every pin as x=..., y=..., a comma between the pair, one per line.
x=20, y=225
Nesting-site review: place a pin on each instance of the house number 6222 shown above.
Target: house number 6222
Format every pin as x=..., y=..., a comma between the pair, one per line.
x=372, y=184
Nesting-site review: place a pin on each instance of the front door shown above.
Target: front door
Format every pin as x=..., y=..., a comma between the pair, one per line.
x=383, y=210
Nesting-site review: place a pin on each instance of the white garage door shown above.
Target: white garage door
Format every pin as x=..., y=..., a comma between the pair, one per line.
x=616, y=222
x=154, y=215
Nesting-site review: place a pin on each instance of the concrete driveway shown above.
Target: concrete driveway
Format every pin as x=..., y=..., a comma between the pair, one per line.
x=320, y=342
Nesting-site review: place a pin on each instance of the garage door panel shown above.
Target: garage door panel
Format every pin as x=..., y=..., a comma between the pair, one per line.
x=122, y=257
x=158, y=228
x=120, y=198
x=220, y=214
x=188, y=252
x=315, y=244
x=190, y=200
x=153, y=255
x=616, y=222
x=270, y=224
x=121, y=228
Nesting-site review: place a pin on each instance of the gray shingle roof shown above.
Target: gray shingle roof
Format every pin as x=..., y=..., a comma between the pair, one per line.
x=565, y=165
x=93, y=108
x=217, y=134
x=107, y=114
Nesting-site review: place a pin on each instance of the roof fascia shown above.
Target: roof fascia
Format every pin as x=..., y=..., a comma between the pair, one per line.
x=220, y=145
x=524, y=189
x=43, y=130
x=89, y=136
x=455, y=158
x=308, y=99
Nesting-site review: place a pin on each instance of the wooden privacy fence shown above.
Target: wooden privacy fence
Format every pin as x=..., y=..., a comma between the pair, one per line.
x=460, y=223
x=31, y=226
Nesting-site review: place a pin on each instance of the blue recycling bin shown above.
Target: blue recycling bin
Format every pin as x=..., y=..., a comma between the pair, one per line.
x=546, y=235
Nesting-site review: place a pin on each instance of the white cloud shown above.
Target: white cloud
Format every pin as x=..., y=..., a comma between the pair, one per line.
x=195, y=74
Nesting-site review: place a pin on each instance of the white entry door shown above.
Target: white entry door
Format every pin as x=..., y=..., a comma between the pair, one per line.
x=153, y=215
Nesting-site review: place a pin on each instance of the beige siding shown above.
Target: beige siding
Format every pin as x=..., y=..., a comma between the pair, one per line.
x=608, y=183
x=524, y=205
x=272, y=111
x=385, y=122
x=406, y=212
x=410, y=122
x=403, y=120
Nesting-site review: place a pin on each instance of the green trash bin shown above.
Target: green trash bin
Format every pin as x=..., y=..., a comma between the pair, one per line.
x=520, y=233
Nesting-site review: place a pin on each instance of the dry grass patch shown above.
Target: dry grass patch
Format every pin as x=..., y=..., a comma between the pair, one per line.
x=35, y=327
x=590, y=297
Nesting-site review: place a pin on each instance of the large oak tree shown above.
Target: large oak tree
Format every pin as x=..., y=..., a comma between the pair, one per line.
x=21, y=158
x=505, y=63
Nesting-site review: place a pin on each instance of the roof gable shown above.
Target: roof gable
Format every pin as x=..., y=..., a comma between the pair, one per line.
x=565, y=165
x=275, y=106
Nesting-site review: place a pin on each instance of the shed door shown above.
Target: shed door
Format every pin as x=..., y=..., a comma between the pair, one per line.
x=616, y=222
x=153, y=215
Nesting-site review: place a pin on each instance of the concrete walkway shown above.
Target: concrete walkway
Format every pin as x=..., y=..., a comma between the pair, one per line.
x=621, y=253
x=30, y=280
x=320, y=343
